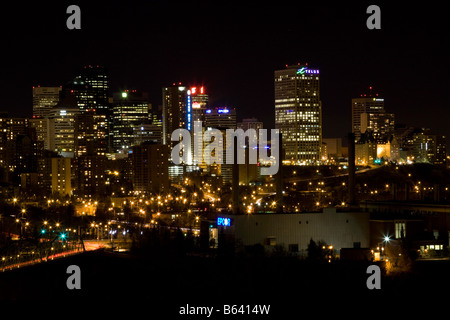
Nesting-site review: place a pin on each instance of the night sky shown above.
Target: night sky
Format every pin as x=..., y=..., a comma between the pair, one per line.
x=233, y=50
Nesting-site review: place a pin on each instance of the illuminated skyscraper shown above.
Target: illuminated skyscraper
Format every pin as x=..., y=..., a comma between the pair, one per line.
x=174, y=110
x=90, y=134
x=90, y=87
x=298, y=113
x=371, y=105
x=197, y=101
x=221, y=119
x=44, y=99
x=130, y=109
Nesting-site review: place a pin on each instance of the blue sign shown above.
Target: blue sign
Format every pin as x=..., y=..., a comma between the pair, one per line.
x=189, y=112
x=226, y=222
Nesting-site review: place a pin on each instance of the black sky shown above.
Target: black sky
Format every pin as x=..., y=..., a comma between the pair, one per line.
x=233, y=49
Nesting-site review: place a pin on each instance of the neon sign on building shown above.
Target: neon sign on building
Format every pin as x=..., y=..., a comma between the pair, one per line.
x=226, y=222
x=305, y=70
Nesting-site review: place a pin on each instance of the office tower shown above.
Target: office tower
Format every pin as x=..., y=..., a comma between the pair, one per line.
x=90, y=134
x=130, y=110
x=44, y=99
x=61, y=127
x=174, y=110
x=369, y=103
x=150, y=168
x=221, y=119
x=197, y=100
x=90, y=86
x=298, y=113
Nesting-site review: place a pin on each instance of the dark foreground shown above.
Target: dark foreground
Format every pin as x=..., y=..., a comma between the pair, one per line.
x=163, y=284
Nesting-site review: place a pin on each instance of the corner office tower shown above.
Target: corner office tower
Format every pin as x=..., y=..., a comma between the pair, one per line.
x=298, y=114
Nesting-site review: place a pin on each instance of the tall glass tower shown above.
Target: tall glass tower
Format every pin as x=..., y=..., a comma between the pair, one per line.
x=298, y=113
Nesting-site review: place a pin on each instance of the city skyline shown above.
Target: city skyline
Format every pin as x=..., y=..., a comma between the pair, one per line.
x=135, y=150
x=147, y=56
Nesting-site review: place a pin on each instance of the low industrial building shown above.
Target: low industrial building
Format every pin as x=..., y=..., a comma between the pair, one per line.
x=294, y=231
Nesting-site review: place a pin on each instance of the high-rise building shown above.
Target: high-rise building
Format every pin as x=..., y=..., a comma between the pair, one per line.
x=222, y=118
x=55, y=175
x=90, y=175
x=90, y=134
x=197, y=100
x=61, y=127
x=369, y=103
x=90, y=86
x=41, y=126
x=174, y=110
x=147, y=132
x=151, y=168
x=298, y=113
x=19, y=148
x=44, y=99
x=130, y=109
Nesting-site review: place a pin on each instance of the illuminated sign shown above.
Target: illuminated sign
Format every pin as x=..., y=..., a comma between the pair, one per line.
x=301, y=70
x=208, y=111
x=226, y=222
x=223, y=110
x=194, y=90
x=189, y=112
x=195, y=105
x=304, y=70
x=124, y=94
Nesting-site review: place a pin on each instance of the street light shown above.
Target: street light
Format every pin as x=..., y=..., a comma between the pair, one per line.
x=386, y=240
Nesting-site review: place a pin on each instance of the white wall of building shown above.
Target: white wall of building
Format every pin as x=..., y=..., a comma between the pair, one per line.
x=339, y=229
